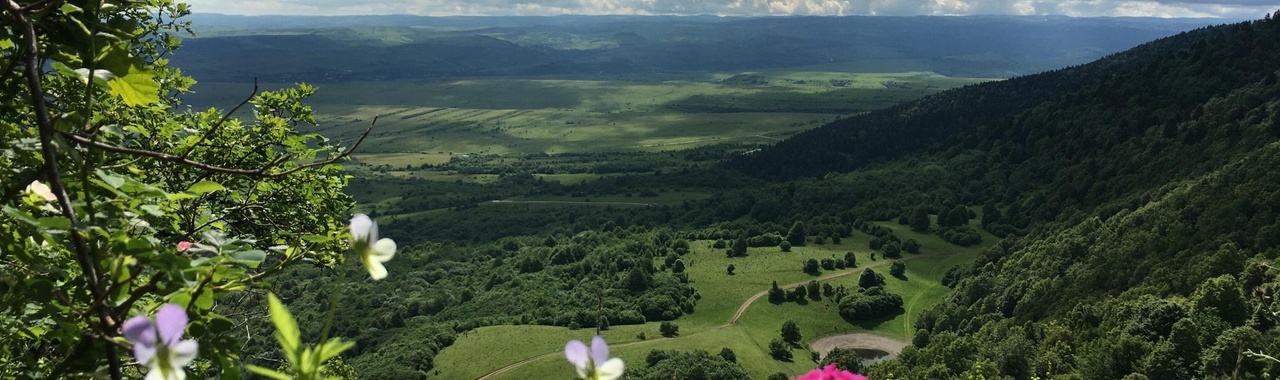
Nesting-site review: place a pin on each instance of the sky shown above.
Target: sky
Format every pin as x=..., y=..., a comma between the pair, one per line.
x=1227, y=9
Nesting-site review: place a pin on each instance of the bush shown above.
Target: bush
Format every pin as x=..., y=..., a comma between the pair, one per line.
x=962, y=235
x=730, y=269
x=728, y=355
x=828, y=263
x=898, y=269
x=779, y=350
x=870, y=278
x=844, y=359
x=669, y=329
x=875, y=303
x=811, y=267
x=785, y=246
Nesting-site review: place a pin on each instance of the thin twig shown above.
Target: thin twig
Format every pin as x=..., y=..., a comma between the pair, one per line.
x=218, y=125
x=264, y=171
x=39, y=5
x=87, y=266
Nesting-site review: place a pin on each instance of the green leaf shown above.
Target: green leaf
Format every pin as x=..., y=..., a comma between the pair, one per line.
x=267, y=372
x=21, y=216
x=55, y=223
x=7, y=44
x=333, y=348
x=137, y=88
x=111, y=180
x=316, y=238
x=181, y=196
x=69, y=9
x=286, y=328
x=206, y=186
x=249, y=258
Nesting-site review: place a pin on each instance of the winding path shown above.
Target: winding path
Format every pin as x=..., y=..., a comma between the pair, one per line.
x=738, y=315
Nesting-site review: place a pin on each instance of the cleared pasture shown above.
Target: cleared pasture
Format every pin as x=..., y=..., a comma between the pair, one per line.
x=722, y=295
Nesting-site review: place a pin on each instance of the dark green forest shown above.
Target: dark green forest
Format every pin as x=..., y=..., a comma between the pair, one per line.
x=1136, y=196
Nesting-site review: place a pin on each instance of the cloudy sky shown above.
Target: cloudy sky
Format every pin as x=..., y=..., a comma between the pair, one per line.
x=1230, y=9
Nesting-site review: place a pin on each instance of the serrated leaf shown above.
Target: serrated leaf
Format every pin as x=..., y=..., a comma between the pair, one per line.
x=136, y=89
x=286, y=327
x=206, y=186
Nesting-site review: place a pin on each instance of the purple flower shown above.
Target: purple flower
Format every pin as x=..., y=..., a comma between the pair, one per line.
x=157, y=345
x=594, y=366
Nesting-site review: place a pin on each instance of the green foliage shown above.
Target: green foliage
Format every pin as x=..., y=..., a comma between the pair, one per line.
x=811, y=267
x=688, y=365
x=779, y=350
x=870, y=304
x=776, y=294
x=730, y=269
x=785, y=246
x=728, y=355
x=898, y=269
x=791, y=332
x=669, y=329
x=843, y=358
x=133, y=176
x=796, y=234
x=304, y=362
x=869, y=279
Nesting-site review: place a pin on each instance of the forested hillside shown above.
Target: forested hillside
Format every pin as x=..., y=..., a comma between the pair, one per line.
x=1136, y=194
x=1147, y=182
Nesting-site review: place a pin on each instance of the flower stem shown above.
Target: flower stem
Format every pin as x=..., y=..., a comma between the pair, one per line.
x=333, y=302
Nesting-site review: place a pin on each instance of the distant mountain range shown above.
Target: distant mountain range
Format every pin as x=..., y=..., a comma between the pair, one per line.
x=346, y=48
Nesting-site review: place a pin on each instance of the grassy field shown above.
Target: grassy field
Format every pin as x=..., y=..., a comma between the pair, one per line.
x=707, y=328
x=425, y=122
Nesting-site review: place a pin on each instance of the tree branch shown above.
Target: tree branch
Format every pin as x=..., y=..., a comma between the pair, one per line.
x=264, y=171
x=83, y=255
x=226, y=116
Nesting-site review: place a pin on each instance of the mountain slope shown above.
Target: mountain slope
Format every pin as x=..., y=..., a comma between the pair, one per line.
x=1146, y=181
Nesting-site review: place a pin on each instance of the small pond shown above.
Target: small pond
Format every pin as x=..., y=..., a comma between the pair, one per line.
x=871, y=355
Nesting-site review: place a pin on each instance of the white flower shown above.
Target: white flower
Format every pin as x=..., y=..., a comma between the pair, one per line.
x=373, y=251
x=42, y=190
x=594, y=366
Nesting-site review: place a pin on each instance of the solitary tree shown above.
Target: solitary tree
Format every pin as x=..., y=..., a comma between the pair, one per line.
x=898, y=269
x=730, y=269
x=669, y=329
x=728, y=355
x=740, y=247
x=785, y=246
x=790, y=332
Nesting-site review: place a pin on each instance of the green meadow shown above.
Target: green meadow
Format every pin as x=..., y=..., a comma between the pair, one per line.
x=478, y=352
x=426, y=122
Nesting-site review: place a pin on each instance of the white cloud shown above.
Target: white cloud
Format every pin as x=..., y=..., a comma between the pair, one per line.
x=1233, y=9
